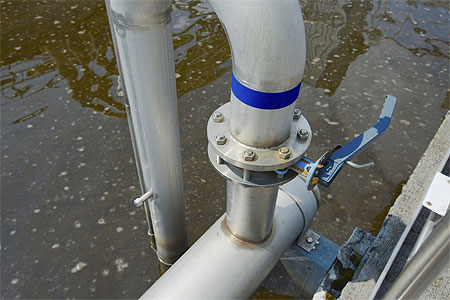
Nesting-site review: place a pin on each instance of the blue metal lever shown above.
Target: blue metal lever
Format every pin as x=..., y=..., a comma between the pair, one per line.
x=328, y=166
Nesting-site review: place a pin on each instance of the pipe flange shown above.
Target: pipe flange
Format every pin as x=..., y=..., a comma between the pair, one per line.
x=230, y=172
x=265, y=159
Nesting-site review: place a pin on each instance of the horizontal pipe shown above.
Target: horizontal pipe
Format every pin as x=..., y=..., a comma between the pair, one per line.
x=144, y=48
x=220, y=266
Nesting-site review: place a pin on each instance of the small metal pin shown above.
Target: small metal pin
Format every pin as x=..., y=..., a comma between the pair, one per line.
x=297, y=114
x=139, y=201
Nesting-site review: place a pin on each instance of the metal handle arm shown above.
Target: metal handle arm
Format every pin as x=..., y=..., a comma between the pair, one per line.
x=328, y=166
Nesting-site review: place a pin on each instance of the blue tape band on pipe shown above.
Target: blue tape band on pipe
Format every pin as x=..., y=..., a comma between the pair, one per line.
x=264, y=100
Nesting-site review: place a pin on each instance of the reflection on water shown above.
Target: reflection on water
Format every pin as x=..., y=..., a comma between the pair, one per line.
x=335, y=38
x=56, y=44
x=74, y=51
x=201, y=46
x=65, y=141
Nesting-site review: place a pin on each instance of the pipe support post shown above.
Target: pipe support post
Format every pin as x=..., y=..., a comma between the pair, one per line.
x=144, y=48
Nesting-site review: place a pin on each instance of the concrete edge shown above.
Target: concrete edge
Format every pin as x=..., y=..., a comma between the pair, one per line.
x=400, y=214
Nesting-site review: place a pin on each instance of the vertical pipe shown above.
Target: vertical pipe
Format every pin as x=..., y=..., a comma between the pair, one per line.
x=148, y=217
x=220, y=266
x=250, y=211
x=144, y=47
x=268, y=47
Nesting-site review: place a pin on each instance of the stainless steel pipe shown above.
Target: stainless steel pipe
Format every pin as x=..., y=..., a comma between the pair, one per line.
x=144, y=49
x=220, y=266
x=250, y=211
x=429, y=261
x=268, y=45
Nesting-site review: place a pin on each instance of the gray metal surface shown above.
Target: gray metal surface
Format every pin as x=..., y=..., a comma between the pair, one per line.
x=144, y=47
x=148, y=217
x=267, y=159
x=308, y=241
x=220, y=266
x=250, y=211
x=261, y=128
x=308, y=268
x=430, y=260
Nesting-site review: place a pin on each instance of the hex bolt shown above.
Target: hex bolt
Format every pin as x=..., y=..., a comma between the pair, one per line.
x=221, y=139
x=297, y=114
x=249, y=155
x=217, y=117
x=284, y=152
x=303, y=134
x=309, y=240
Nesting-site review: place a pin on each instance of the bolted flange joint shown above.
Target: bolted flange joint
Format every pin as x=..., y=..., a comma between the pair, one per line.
x=231, y=150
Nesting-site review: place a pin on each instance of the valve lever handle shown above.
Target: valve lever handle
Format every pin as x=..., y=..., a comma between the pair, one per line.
x=328, y=166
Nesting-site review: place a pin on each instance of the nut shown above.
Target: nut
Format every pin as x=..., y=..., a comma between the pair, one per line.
x=249, y=155
x=309, y=240
x=297, y=113
x=221, y=139
x=303, y=134
x=284, y=152
x=217, y=117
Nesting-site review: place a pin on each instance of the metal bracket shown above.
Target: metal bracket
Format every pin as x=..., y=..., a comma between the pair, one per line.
x=437, y=198
x=328, y=166
x=308, y=241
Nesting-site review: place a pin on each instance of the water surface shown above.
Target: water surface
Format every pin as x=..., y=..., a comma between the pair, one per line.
x=68, y=227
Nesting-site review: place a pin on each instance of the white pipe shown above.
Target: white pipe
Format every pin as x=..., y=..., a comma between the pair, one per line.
x=220, y=266
x=145, y=50
x=268, y=46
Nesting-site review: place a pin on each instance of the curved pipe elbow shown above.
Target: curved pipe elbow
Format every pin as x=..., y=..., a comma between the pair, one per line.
x=267, y=40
